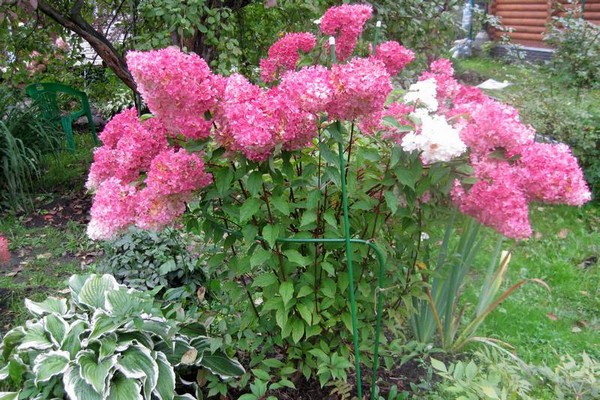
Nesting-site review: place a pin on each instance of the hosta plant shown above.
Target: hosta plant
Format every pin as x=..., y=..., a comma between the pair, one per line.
x=105, y=342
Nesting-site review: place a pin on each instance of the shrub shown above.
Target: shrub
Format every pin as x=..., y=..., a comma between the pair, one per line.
x=577, y=42
x=108, y=342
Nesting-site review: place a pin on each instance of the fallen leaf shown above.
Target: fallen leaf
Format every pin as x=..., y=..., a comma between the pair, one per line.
x=563, y=233
x=43, y=256
x=14, y=271
x=582, y=323
x=189, y=357
x=200, y=293
x=537, y=235
x=552, y=316
x=576, y=329
x=583, y=292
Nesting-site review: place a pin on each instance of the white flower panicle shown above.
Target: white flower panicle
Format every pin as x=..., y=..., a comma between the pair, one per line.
x=437, y=140
x=423, y=93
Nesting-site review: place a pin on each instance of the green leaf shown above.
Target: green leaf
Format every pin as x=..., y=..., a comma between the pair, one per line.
x=93, y=292
x=304, y=312
x=11, y=340
x=281, y=204
x=489, y=392
x=122, y=388
x=261, y=374
x=103, y=323
x=137, y=363
x=297, y=330
x=304, y=291
x=47, y=365
x=48, y=306
x=248, y=396
x=286, y=290
x=165, y=386
x=76, y=282
x=281, y=316
x=77, y=388
x=295, y=257
x=56, y=326
x=72, y=342
x=309, y=217
x=219, y=364
x=271, y=233
x=249, y=209
x=223, y=178
x=272, y=363
x=35, y=338
x=264, y=280
x=93, y=372
x=391, y=200
x=260, y=256
x=255, y=182
x=328, y=288
x=347, y=320
x=438, y=365
x=9, y=395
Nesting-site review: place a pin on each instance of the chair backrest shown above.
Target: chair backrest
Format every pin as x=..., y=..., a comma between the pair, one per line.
x=45, y=94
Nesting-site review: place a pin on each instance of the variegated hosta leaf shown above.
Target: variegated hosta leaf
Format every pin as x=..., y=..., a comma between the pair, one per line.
x=57, y=327
x=35, y=338
x=76, y=387
x=49, y=364
x=186, y=396
x=218, y=363
x=125, y=302
x=165, y=386
x=9, y=395
x=93, y=372
x=4, y=372
x=137, y=363
x=156, y=325
x=76, y=282
x=11, y=340
x=108, y=344
x=94, y=290
x=49, y=306
x=72, y=342
x=103, y=323
x=132, y=337
x=179, y=352
x=122, y=388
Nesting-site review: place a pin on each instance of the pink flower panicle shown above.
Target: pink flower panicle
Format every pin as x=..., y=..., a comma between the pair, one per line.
x=177, y=87
x=360, y=88
x=394, y=56
x=283, y=54
x=4, y=253
x=177, y=172
x=113, y=209
x=346, y=23
x=129, y=147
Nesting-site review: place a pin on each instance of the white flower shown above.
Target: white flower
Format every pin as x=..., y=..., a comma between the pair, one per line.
x=424, y=236
x=423, y=93
x=437, y=141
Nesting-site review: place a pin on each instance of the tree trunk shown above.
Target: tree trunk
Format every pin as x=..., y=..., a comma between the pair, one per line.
x=75, y=23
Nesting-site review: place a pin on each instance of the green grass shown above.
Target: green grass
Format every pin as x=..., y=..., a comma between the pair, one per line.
x=544, y=325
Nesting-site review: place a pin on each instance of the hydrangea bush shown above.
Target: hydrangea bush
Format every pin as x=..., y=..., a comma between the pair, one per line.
x=245, y=163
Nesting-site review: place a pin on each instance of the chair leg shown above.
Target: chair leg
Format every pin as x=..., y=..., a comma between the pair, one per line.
x=68, y=129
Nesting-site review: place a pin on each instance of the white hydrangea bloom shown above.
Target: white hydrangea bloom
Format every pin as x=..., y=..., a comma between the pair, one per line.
x=423, y=93
x=437, y=141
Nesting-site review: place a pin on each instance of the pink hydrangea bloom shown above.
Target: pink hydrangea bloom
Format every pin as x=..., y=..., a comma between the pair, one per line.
x=176, y=172
x=360, y=88
x=552, y=175
x=447, y=87
x=310, y=87
x=155, y=211
x=113, y=209
x=496, y=199
x=4, y=253
x=346, y=23
x=283, y=54
x=394, y=56
x=129, y=147
x=491, y=125
x=177, y=87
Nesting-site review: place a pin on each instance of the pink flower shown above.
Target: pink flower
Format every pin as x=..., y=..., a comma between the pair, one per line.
x=496, y=199
x=283, y=54
x=552, y=175
x=4, y=253
x=310, y=87
x=179, y=88
x=346, y=23
x=394, y=56
x=176, y=172
x=373, y=123
x=155, y=211
x=360, y=89
x=113, y=209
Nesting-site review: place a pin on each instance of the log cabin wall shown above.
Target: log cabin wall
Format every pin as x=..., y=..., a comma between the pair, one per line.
x=528, y=18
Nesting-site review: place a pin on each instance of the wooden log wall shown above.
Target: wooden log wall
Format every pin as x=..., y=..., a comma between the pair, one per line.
x=528, y=18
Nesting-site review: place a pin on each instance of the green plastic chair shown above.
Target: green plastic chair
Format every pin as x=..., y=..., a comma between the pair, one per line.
x=46, y=96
